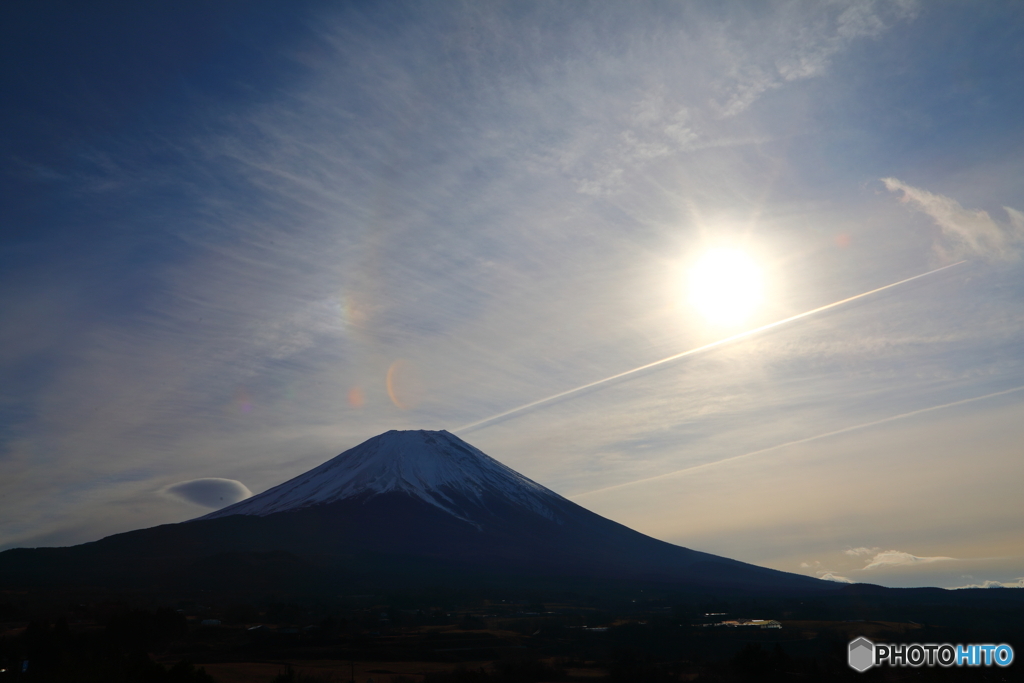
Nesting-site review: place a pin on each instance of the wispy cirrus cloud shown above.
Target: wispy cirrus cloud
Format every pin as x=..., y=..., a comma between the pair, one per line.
x=966, y=233
x=806, y=44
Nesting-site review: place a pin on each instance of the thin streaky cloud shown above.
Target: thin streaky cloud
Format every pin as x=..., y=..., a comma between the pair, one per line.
x=707, y=347
x=797, y=442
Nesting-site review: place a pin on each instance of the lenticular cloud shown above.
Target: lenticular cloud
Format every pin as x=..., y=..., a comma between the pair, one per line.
x=212, y=492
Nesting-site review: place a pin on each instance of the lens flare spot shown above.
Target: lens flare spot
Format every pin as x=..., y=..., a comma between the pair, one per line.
x=243, y=403
x=356, y=399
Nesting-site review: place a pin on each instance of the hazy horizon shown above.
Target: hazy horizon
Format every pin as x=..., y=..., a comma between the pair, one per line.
x=241, y=239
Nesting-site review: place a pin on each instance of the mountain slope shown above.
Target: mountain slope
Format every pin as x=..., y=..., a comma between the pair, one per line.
x=409, y=508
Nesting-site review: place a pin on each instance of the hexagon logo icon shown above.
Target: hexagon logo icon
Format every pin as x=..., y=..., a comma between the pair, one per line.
x=861, y=654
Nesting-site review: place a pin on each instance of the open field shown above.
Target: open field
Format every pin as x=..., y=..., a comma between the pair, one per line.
x=330, y=670
x=475, y=639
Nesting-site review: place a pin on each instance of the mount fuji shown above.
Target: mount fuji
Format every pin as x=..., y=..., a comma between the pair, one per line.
x=437, y=468
x=405, y=508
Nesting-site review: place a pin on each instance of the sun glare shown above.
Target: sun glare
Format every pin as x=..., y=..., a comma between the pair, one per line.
x=725, y=286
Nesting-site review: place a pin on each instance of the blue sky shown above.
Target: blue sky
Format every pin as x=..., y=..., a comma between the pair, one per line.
x=237, y=240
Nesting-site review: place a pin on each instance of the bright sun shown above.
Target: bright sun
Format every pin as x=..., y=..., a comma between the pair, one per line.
x=725, y=286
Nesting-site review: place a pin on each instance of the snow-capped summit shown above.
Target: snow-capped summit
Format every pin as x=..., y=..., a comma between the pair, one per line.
x=436, y=467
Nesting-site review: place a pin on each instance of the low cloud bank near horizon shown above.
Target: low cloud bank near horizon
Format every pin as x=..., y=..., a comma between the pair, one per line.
x=1016, y=583
x=877, y=561
x=896, y=558
x=890, y=558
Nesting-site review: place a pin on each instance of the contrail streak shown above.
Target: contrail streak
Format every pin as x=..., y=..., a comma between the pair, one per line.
x=721, y=342
x=796, y=442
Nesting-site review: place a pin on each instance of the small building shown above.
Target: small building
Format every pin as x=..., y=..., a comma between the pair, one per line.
x=759, y=623
x=766, y=623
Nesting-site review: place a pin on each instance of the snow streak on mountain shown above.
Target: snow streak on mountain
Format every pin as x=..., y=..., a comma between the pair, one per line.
x=436, y=467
